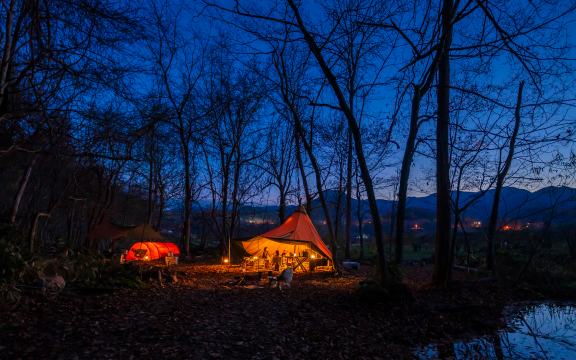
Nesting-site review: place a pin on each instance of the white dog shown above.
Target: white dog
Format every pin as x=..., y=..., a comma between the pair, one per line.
x=284, y=277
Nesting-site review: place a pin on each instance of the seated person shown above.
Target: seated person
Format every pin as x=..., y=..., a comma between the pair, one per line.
x=277, y=261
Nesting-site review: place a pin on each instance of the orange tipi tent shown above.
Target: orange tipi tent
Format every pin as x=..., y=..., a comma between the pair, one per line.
x=296, y=234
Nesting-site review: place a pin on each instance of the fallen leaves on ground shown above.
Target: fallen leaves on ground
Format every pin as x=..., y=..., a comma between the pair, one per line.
x=199, y=317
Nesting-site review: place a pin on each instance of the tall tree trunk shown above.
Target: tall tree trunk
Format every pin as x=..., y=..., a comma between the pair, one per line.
x=303, y=175
x=150, y=182
x=349, y=197
x=33, y=230
x=226, y=174
x=360, y=218
x=333, y=245
x=338, y=212
x=498, y=347
x=53, y=204
x=405, y=176
x=161, y=209
x=282, y=210
x=187, y=196
x=392, y=219
x=70, y=223
x=20, y=193
x=378, y=233
x=235, y=202
x=454, y=233
x=493, y=222
x=7, y=56
x=442, y=272
x=308, y=148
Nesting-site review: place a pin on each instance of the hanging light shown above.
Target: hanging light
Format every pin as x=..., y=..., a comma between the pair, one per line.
x=225, y=260
x=313, y=256
x=146, y=258
x=255, y=257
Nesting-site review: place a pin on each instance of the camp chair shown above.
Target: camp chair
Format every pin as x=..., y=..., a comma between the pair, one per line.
x=260, y=263
x=249, y=261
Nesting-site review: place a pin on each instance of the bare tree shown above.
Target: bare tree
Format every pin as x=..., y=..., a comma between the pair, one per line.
x=180, y=58
x=501, y=176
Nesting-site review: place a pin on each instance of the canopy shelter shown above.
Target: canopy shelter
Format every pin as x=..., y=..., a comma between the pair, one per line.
x=107, y=230
x=295, y=235
x=154, y=250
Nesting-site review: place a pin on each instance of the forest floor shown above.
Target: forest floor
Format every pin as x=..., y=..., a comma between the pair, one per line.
x=203, y=317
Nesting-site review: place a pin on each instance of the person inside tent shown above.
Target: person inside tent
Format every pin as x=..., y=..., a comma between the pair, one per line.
x=265, y=256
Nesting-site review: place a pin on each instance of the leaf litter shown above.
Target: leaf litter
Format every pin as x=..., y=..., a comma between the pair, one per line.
x=198, y=317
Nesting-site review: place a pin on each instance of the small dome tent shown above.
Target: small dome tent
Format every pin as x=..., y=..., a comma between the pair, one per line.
x=154, y=250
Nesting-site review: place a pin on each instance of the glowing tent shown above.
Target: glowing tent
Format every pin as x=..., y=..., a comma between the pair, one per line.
x=154, y=250
x=295, y=235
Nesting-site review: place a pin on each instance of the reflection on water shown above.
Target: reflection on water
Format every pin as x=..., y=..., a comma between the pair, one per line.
x=535, y=332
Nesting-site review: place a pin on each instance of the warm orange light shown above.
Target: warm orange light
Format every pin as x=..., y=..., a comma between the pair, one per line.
x=146, y=258
x=255, y=257
x=225, y=260
x=313, y=256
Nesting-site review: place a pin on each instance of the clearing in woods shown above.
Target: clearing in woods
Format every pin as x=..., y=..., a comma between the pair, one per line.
x=202, y=317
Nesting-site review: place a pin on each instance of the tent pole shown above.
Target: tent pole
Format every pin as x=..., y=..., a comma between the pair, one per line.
x=229, y=258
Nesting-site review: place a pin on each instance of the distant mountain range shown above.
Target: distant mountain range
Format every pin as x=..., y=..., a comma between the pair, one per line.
x=515, y=203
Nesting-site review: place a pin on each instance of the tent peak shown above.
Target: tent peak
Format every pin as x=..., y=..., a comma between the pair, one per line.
x=301, y=209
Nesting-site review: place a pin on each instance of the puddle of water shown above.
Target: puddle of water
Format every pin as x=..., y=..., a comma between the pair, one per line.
x=543, y=331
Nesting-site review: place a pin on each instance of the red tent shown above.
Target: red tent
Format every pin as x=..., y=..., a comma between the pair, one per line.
x=155, y=250
x=295, y=235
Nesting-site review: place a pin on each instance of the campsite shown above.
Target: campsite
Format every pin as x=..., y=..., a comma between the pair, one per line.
x=287, y=179
x=232, y=307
